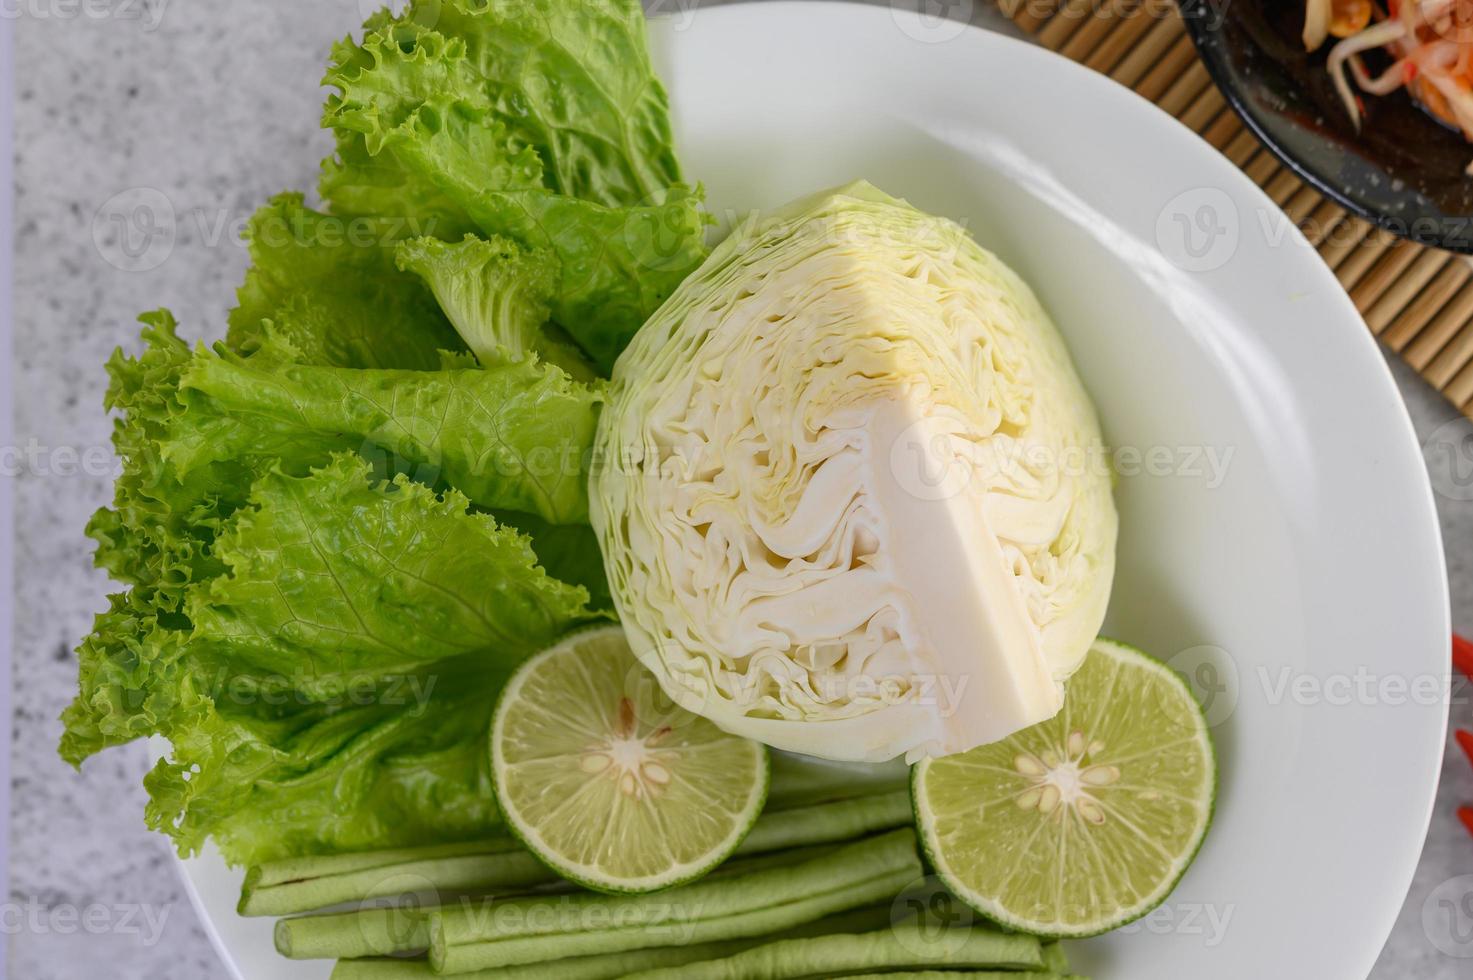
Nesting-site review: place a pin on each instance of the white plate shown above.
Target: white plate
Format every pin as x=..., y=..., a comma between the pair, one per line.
x=1315, y=562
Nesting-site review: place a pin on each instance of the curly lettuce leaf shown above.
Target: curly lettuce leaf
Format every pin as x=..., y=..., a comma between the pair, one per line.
x=574, y=81
x=402, y=764
x=162, y=533
x=157, y=533
x=131, y=678
x=330, y=688
x=568, y=551
x=333, y=580
x=602, y=128
x=416, y=98
x=497, y=294
x=199, y=425
x=354, y=182
x=329, y=286
x=324, y=648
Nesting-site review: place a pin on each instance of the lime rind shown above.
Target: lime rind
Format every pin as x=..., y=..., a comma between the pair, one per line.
x=1186, y=706
x=581, y=711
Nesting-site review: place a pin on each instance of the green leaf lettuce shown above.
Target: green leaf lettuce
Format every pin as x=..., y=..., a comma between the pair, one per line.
x=329, y=689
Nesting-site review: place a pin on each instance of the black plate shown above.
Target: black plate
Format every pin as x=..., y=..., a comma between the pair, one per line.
x=1404, y=171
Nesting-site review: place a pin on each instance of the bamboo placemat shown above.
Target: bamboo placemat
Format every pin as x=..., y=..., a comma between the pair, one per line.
x=1418, y=301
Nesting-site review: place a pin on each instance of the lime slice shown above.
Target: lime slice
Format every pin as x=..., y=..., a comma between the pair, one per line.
x=1084, y=822
x=609, y=782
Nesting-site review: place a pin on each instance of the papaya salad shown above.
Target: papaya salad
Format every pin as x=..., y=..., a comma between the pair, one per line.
x=1430, y=43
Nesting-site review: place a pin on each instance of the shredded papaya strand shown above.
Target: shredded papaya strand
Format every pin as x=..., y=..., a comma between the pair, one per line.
x=1431, y=42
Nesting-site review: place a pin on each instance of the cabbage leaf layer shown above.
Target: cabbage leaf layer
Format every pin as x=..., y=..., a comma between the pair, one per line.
x=850, y=489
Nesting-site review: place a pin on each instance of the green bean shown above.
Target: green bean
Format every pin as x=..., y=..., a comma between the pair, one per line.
x=909, y=944
x=606, y=967
x=384, y=968
x=302, y=885
x=974, y=974
x=534, y=949
x=612, y=965
x=381, y=930
x=321, y=865
x=500, y=866
x=824, y=822
x=346, y=935
x=801, y=780
x=531, y=929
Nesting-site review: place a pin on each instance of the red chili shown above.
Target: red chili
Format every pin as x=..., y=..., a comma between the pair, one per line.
x=1463, y=655
x=1463, y=660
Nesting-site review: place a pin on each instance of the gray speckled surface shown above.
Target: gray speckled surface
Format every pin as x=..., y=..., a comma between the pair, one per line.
x=208, y=103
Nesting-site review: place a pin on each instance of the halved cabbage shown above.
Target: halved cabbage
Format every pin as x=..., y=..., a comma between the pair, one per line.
x=850, y=491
